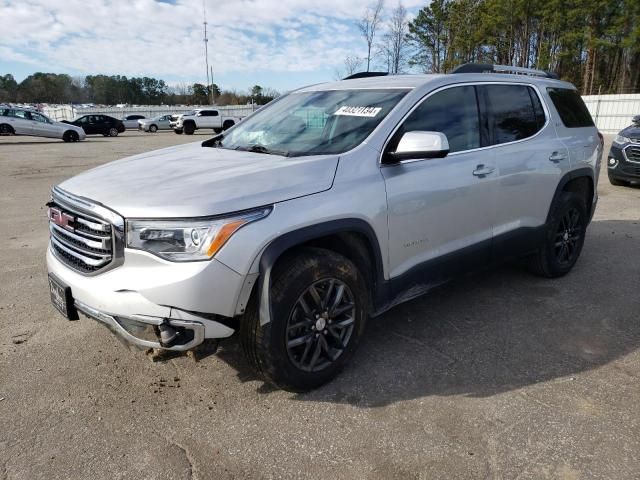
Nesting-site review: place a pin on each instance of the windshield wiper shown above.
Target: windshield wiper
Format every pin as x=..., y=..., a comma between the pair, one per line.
x=214, y=142
x=262, y=149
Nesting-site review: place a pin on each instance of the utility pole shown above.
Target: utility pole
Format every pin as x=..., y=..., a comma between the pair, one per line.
x=206, y=49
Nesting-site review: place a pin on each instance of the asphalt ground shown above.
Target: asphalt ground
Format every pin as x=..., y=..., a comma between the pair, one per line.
x=497, y=375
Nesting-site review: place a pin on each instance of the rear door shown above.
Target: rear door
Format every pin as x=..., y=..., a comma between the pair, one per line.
x=440, y=210
x=575, y=126
x=530, y=161
x=42, y=127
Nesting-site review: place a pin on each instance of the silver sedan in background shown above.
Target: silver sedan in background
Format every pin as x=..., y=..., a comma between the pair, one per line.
x=157, y=123
x=132, y=121
x=25, y=121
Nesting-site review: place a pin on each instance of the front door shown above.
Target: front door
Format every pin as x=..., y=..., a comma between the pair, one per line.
x=440, y=210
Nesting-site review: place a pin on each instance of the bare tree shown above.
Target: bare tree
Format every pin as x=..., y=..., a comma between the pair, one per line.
x=368, y=25
x=351, y=65
x=395, y=44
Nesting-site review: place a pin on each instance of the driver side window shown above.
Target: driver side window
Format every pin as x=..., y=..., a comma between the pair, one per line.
x=453, y=111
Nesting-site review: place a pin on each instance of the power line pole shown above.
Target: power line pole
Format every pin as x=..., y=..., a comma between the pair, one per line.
x=206, y=49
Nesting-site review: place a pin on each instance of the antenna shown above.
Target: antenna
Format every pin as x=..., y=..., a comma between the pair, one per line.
x=206, y=43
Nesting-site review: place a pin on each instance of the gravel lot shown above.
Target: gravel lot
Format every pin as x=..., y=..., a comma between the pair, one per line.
x=497, y=375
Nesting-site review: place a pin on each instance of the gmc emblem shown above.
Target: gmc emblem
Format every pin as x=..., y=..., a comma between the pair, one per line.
x=60, y=218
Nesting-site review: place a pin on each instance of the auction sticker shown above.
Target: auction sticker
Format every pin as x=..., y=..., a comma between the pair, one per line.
x=358, y=111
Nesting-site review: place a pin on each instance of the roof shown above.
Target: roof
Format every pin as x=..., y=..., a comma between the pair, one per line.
x=415, y=81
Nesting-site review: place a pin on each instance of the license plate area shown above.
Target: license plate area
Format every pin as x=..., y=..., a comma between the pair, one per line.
x=62, y=299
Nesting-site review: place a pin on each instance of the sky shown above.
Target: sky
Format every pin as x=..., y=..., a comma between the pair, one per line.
x=281, y=44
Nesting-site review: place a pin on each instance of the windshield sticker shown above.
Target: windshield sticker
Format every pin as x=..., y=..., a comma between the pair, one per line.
x=358, y=111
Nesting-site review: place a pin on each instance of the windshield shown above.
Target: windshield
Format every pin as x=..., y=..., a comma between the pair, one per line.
x=313, y=123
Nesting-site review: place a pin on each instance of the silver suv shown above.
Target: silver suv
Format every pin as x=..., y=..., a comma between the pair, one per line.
x=330, y=205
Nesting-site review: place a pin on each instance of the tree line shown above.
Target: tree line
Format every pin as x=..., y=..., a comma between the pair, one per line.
x=595, y=44
x=115, y=89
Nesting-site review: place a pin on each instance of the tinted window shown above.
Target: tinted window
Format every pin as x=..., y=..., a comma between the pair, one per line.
x=209, y=113
x=511, y=113
x=453, y=111
x=38, y=118
x=572, y=110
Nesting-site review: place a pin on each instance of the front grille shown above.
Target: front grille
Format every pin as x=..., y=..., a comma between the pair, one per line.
x=633, y=153
x=83, y=242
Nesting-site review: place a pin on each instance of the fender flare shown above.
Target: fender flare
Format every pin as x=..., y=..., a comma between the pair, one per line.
x=290, y=239
x=569, y=176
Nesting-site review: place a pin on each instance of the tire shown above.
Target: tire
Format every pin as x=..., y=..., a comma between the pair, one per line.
x=6, y=129
x=564, y=237
x=298, y=359
x=217, y=130
x=617, y=183
x=70, y=136
x=153, y=128
x=228, y=124
x=113, y=132
x=178, y=131
x=189, y=128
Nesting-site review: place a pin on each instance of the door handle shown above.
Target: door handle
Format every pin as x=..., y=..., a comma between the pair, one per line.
x=557, y=157
x=482, y=170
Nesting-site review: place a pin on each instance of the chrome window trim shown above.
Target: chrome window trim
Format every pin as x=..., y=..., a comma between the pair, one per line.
x=95, y=211
x=545, y=108
x=624, y=152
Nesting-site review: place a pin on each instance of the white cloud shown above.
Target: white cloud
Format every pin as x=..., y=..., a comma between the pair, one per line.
x=145, y=37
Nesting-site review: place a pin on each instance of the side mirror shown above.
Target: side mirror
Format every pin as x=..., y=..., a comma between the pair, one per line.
x=636, y=120
x=419, y=145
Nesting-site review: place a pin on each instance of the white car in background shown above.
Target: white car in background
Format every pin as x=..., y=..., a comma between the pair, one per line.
x=24, y=121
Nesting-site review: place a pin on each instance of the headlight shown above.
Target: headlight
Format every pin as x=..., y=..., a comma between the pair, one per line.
x=620, y=140
x=190, y=239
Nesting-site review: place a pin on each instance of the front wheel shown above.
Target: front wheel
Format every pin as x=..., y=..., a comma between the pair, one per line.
x=319, y=305
x=113, y=132
x=189, y=128
x=153, y=129
x=70, y=136
x=178, y=131
x=564, y=237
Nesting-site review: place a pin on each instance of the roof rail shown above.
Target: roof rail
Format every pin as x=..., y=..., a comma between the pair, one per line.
x=366, y=75
x=489, y=68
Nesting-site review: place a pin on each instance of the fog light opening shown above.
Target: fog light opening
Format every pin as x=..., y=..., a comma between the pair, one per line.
x=612, y=162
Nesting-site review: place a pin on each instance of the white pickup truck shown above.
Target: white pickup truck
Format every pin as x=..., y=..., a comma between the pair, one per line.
x=203, y=118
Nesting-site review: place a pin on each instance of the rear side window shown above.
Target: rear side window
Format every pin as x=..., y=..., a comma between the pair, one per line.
x=514, y=112
x=572, y=110
x=453, y=111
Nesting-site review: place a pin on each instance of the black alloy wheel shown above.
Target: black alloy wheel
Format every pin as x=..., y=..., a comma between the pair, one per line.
x=320, y=325
x=568, y=236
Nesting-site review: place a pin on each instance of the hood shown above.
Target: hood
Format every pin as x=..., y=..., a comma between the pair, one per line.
x=193, y=181
x=632, y=131
x=68, y=126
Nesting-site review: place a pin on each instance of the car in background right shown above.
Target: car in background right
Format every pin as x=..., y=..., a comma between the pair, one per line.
x=623, y=162
x=161, y=122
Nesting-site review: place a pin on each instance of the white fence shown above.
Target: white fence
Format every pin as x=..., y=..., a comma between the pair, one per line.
x=69, y=112
x=612, y=113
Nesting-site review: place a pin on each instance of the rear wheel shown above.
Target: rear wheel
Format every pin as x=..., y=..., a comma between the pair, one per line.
x=564, y=237
x=318, y=311
x=228, y=124
x=6, y=129
x=153, y=129
x=113, y=132
x=70, y=136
